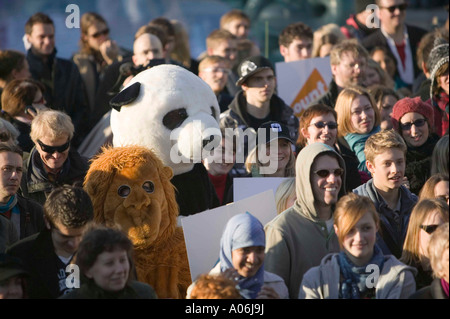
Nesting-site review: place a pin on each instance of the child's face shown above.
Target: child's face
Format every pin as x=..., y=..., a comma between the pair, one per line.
x=362, y=115
x=388, y=169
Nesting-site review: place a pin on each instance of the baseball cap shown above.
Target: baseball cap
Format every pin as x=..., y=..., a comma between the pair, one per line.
x=251, y=66
x=273, y=131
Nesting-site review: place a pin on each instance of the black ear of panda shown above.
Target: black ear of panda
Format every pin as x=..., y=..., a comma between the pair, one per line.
x=125, y=96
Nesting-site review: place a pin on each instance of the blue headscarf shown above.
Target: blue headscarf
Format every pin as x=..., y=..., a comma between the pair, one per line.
x=243, y=230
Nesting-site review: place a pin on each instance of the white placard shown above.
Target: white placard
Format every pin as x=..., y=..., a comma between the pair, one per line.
x=244, y=187
x=202, y=231
x=301, y=82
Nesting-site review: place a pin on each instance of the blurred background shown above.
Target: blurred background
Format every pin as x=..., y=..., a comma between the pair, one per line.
x=199, y=17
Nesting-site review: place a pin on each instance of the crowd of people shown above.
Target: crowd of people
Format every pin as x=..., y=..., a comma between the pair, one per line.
x=363, y=211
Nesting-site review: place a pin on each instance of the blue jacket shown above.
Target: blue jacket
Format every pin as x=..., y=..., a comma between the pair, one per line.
x=393, y=226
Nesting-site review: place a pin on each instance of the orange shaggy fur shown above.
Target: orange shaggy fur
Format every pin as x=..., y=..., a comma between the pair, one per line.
x=161, y=261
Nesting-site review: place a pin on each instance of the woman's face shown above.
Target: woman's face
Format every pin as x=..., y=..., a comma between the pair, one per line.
x=110, y=270
x=441, y=191
x=443, y=82
x=279, y=153
x=386, y=62
x=360, y=240
x=53, y=159
x=372, y=77
x=362, y=115
x=417, y=134
x=222, y=160
x=248, y=260
x=11, y=288
x=432, y=219
x=386, y=105
x=323, y=134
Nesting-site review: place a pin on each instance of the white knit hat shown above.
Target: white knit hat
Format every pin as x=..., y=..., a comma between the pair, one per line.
x=439, y=55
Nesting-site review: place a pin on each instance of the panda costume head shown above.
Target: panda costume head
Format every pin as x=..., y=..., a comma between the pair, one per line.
x=169, y=110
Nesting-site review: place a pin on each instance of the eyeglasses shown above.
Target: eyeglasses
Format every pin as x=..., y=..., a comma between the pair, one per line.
x=417, y=123
x=429, y=228
x=100, y=33
x=325, y=173
x=331, y=125
x=443, y=197
x=53, y=149
x=401, y=7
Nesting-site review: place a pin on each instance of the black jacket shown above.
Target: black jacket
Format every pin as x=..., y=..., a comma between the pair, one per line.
x=330, y=97
x=35, y=183
x=64, y=90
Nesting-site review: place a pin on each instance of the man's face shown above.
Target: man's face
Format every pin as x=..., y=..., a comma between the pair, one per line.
x=350, y=71
x=215, y=75
x=388, y=169
x=226, y=49
x=42, y=38
x=54, y=160
x=298, y=49
x=260, y=87
x=10, y=173
x=65, y=239
x=147, y=47
x=325, y=189
x=239, y=27
x=391, y=15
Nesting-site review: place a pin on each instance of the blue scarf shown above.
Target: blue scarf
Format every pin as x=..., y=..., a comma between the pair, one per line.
x=355, y=277
x=11, y=205
x=243, y=230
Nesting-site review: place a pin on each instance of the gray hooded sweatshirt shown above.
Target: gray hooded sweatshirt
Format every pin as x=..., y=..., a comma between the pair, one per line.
x=297, y=239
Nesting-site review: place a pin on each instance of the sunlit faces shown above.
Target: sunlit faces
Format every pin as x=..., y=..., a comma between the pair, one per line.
x=135, y=198
x=215, y=75
x=325, y=189
x=441, y=190
x=298, y=49
x=65, y=240
x=280, y=152
x=362, y=115
x=350, y=70
x=359, y=242
x=110, y=270
x=97, y=33
x=239, y=27
x=10, y=175
x=388, y=169
x=443, y=82
x=418, y=134
x=226, y=49
x=222, y=160
x=324, y=135
x=11, y=288
x=54, y=161
x=248, y=260
x=386, y=106
x=260, y=87
x=433, y=218
x=145, y=48
x=42, y=38
x=391, y=20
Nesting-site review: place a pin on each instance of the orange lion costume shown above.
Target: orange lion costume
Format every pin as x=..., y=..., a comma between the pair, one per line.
x=130, y=187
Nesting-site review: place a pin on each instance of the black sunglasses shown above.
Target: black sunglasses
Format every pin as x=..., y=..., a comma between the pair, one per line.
x=331, y=125
x=429, y=228
x=325, y=173
x=401, y=7
x=53, y=149
x=100, y=33
x=417, y=123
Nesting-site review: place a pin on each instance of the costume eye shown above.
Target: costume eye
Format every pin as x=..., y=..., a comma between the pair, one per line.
x=149, y=187
x=213, y=112
x=175, y=118
x=124, y=191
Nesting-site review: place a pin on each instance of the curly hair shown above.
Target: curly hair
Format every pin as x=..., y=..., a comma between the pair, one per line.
x=214, y=287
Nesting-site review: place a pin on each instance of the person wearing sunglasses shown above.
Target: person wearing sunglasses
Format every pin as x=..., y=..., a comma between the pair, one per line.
x=22, y=101
x=302, y=235
x=97, y=52
x=53, y=161
x=385, y=159
x=350, y=274
x=318, y=124
x=400, y=39
x=64, y=86
x=438, y=252
x=411, y=118
x=426, y=217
